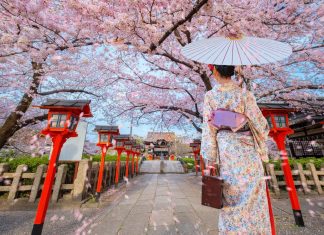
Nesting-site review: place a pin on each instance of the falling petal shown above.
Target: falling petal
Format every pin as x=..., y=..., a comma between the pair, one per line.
x=311, y=212
x=54, y=218
x=25, y=168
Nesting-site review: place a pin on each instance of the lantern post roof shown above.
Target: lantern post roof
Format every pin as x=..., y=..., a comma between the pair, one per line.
x=122, y=137
x=195, y=142
x=111, y=129
x=276, y=107
x=129, y=142
x=79, y=106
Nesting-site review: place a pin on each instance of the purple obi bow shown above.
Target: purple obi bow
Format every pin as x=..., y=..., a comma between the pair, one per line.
x=226, y=119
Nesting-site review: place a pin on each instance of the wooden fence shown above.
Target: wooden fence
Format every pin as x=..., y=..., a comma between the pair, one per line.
x=23, y=183
x=305, y=180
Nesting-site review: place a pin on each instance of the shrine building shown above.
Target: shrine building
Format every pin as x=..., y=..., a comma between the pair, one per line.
x=159, y=145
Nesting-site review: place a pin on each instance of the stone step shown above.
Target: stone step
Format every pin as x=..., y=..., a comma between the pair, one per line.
x=164, y=166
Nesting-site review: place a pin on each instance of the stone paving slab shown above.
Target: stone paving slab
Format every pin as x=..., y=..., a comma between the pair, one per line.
x=139, y=209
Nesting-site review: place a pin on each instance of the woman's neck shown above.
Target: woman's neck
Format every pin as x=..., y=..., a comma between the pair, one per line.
x=224, y=81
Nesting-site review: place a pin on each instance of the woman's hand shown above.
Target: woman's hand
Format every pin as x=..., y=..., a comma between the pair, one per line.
x=210, y=167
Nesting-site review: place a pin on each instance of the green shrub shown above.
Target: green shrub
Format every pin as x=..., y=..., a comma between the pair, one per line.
x=189, y=162
x=109, y=158
x=303, y=161
x=31, y=162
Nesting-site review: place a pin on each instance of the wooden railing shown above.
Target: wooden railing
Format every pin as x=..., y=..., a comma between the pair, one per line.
x=83, y=186
x=305, y=180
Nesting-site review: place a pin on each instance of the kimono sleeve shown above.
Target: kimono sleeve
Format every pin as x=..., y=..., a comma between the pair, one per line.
x=258, y=125
x=209, y=148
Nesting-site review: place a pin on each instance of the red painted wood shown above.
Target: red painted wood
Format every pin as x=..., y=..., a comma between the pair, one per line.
x=137, y=164
x=202, y=167
x=272, y=220
x=119, y=151
x=58, y=141
x=102, y=167
x=196, y=163
x=127, y=160
x=280, y=140
x=133, y=166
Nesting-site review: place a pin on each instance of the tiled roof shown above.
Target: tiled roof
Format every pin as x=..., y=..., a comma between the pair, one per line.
x=133, y=143
x=106, y=128
x=274, y=105
x=154, y=136
x=66, y=103
x=122, y=137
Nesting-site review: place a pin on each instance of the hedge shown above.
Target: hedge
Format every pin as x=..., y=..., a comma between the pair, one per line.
x=190, y=162
x=33, y=162
x=317, y=162
x=109, y=158
x=303, y=161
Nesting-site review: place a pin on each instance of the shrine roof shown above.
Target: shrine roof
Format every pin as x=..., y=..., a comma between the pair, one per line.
x=274, y=105
x=122, y=137
x=130, y=142
x=75, y=105
x=106, y=128
x=66, y=103
x=154, y=136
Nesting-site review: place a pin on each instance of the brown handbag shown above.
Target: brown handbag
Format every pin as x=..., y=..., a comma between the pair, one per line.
x=212, y=190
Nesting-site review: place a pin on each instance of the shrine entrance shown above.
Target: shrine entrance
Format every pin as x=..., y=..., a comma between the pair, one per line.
x=159, y=145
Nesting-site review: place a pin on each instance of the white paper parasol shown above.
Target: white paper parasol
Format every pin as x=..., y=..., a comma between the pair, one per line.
x=237, y=51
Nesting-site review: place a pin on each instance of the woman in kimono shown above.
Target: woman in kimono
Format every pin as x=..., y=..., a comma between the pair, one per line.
x=239, y=155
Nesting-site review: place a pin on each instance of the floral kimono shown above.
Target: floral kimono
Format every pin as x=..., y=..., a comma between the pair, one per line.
x=240, y=157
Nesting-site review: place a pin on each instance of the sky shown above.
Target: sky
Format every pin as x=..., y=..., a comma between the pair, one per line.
x=139, y=130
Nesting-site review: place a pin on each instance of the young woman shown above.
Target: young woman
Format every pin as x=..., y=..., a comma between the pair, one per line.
x=239, y=155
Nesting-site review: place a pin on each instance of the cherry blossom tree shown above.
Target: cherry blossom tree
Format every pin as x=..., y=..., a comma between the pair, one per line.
x=128, y=54
x=41, y=55
x=159, y=83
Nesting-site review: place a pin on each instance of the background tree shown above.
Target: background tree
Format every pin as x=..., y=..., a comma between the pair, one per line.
x=128, y=54
x=41, y=55
x=161, y=85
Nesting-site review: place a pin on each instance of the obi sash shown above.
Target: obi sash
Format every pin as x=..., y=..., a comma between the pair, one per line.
x=224, y=119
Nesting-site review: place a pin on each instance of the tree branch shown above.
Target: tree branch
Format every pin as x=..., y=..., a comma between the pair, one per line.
x=66, y=91
x=33, y=121
x=180, y=22
x=291, y=88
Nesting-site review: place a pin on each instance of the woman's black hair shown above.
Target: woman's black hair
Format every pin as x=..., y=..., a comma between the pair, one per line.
x=225, y=70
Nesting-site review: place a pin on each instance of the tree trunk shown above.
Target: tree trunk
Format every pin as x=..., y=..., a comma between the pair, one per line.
x=12, y=123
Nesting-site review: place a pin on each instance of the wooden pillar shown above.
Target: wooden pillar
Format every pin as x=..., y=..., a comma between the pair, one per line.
x=16, y=181
x=317, y=183
x=273, y=179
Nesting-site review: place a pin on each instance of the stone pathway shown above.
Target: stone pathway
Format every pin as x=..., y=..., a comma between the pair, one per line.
x=155, y=204
x=151, y=167
x=164, y=166
x=172, y=167
x=164, y=204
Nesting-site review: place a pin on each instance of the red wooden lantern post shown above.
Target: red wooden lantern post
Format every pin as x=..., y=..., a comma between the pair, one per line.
x=105, y=134
x=277, y=117
x=134, y=151
x=63, y=118
x=195, y=145
x=128, y=148
x=120, y=140
x=137, y=157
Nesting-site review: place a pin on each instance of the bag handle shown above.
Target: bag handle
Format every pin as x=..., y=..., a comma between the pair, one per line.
x=214, y=170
